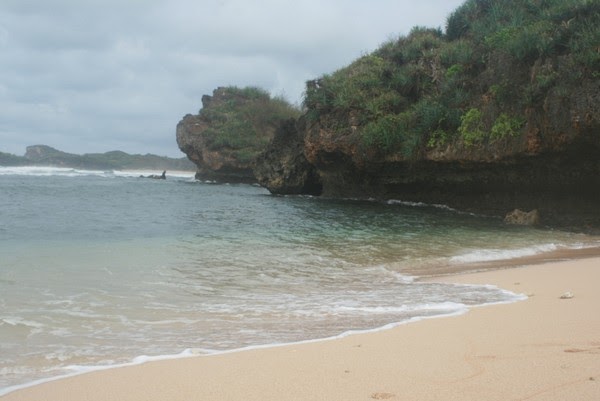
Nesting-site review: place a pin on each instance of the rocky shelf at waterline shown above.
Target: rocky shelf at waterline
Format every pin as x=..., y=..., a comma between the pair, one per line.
x=562, y=184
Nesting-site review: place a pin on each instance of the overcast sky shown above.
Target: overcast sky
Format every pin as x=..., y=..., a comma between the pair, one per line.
x=88, y=76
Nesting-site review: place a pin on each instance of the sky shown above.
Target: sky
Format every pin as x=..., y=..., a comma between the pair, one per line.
x=91, y=76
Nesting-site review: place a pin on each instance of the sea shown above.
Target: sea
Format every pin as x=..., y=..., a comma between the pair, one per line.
x=105, y=268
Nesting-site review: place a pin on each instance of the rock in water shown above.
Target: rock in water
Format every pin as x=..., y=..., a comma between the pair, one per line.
x=521, y=218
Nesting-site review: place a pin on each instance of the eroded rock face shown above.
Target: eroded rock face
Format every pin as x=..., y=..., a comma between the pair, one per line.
x=282, y=168
x=232, y=128
x=554, y=167
x=213, y=164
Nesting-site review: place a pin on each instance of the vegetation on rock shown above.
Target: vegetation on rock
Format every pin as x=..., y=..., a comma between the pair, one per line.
x=472, y=86
x=233, y=127
x=500, y=111
x=243, y=120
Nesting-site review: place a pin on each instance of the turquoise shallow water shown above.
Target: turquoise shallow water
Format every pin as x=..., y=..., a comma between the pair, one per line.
x=100, y=268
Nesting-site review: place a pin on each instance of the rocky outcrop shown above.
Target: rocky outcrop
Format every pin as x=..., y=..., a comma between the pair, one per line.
x=554, y=167
x=521, y=218
x=232, y=128
x=213, y=164
x=486, y=118
x=283, y=168
x=564, y=185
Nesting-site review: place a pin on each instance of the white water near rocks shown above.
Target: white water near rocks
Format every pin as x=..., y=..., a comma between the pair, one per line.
x=101, y=268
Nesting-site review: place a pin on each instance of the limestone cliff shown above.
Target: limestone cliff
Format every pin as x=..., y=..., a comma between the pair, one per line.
x=232, y=128
x=283, y=167
x=488, y=117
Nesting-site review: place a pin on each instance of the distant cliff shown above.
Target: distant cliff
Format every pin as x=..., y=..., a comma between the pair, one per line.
x=232, y=128
x=42, y=155
x=500, y=111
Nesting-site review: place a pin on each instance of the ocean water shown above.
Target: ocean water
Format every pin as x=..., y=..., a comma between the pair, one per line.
x=105, y=268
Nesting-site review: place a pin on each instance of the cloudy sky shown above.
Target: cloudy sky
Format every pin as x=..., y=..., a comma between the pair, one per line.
x=90, y=76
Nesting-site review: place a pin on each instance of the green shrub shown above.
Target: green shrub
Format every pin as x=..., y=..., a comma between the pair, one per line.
x=506, y=126
x=471, y=127
x=386, y=102
x=585, y=46
x=457, y=52
x=453, y=71
x=419, y=42
x=406, y=131
x=459, y=21
x=524, y=43
x=429, y=116
x=387, y=132
x=438, y=138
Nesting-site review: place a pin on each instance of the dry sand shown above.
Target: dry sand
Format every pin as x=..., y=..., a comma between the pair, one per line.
x=544, y=348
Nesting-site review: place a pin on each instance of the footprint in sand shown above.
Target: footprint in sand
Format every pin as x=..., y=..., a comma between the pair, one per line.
x=592, y=350
x=382, y=396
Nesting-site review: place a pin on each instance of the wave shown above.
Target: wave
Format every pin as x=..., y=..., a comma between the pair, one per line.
x=441, y=308
x=492, y=255
x=42, y=171
x=439, y=206
x=18, y=321
x=47, y=171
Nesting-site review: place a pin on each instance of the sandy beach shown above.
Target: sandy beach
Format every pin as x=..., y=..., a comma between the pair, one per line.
x=543, y=348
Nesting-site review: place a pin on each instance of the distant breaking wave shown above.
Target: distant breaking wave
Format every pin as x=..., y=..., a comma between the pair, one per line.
x=43, y=171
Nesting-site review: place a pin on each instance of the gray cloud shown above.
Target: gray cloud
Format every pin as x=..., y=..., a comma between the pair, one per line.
x=93, y=76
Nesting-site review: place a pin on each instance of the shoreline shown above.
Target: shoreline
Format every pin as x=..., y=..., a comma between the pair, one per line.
x=192, y=353
x=557, y=255
x=262, y=375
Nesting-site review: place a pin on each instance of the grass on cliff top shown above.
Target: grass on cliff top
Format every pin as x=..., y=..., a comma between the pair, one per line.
x=469, y=85
x=243, y=120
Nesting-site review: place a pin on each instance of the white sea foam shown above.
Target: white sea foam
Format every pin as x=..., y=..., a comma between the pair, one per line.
x=18, y=321
x=41, y=171
x=145, y=173
x=47, y=171
x=490, y=255
x=395, y=275
x=420, y=204
x=442, y=308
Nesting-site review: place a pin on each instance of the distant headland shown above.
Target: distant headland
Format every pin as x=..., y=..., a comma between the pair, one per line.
x=42, y=155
